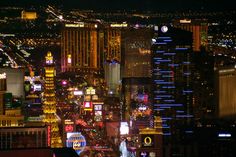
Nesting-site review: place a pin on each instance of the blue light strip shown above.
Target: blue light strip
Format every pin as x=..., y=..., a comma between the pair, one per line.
x=168, y=87
x=167, y=71
x=167, y=40
x=166, y=127
x=174, y=105
x=167, y=76
x=164, y=37
x=184, y=116
x=187, y=91
x=166, y=134
x=158, y=80
x=165, y=107
x=158, y=109
x=186, y=62
x=159, y=92
x=174, y=65
x=161, y=43
x=164, y=96
x=189, y=131
x=181, y=48
x=164, y=83
x=169, y=54
x=157, y=98
x=166, y=118
x=169, y=100
x=160, y=51
x=164, y=60
x=187, y=73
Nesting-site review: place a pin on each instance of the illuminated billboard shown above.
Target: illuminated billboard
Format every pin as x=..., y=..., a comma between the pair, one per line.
x=97, y=107
x=69, y=125
x=124, y=128
x=88, y=106
x=98, y=116
x=37, y=87
x=77, y=92
x=76, y=141
x=98, y=111
x=90, y=91
x=33, y=87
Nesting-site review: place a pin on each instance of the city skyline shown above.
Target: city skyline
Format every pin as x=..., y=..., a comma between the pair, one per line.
x=90, y=76
x=140, y=5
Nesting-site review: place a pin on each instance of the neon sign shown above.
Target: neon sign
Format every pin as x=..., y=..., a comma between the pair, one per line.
x=76, y=141
x=69, y=128
x=49, y=135
x=147, y=141
x=88, y=106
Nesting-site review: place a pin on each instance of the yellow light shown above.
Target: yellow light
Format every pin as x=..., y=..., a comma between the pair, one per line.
x=119, y=25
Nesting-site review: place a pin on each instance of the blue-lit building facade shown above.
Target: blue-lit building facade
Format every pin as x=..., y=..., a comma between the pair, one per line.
x=171, y=76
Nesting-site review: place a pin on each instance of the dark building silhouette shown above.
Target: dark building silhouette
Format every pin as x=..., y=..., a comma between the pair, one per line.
x=172, y=88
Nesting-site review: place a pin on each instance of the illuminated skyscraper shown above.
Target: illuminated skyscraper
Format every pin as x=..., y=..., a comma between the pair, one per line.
x=136, y=52
x=171, y=76
x=198, y=27
x=79, y=48
x=49, y=102
x=113, y=35
x=112, y=56
x=136, y=75
x=226, y=92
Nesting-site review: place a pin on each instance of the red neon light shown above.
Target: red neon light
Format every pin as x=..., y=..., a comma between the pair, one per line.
x=145, y=98
x=69, y=128
x=81, y=122
x=49, y=135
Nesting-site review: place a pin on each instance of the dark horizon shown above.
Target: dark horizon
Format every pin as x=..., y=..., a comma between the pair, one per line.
x=128, y=5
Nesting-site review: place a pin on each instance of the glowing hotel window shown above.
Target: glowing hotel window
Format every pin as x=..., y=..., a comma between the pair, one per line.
x=69, y=58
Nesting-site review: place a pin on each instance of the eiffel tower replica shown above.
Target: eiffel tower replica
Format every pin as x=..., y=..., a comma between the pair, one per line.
x=49, y=103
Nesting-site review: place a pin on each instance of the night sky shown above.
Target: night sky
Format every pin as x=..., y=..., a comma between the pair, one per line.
x=152, y=5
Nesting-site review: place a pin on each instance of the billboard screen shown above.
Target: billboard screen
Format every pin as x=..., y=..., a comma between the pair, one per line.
x=88, y=106
x=76, y=141
x=33, y=87
x=124, y=128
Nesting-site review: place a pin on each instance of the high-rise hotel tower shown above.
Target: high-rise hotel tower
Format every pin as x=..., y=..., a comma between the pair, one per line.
x=79, y=48
x=171, y=76
x=199, y=29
